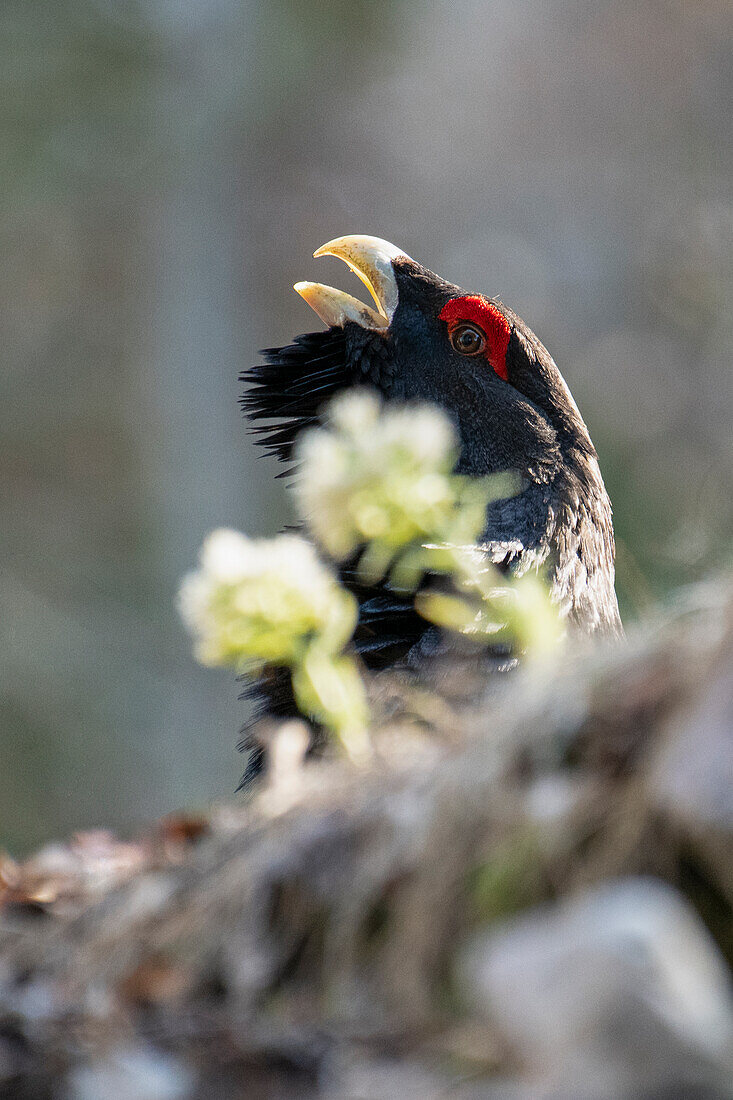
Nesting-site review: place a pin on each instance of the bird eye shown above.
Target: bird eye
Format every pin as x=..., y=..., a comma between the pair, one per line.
x=468, y=340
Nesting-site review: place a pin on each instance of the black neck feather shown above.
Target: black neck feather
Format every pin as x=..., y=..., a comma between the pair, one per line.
x=295, y=382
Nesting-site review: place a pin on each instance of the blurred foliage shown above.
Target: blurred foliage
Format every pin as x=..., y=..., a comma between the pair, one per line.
x=271, y=603
x=374, y=485
x=508, y=880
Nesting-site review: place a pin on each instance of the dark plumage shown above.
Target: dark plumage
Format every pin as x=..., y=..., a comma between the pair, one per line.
x=513, y=412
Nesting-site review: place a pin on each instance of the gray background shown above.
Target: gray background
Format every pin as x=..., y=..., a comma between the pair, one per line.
x=166, y=170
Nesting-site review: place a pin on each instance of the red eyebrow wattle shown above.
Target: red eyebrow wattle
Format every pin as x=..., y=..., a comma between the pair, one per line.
x=480, y=311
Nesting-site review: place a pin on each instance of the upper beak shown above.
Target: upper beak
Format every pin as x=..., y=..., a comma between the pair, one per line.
x=371, y=259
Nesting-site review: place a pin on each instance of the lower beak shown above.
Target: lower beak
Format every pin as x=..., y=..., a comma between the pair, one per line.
x=371, y=259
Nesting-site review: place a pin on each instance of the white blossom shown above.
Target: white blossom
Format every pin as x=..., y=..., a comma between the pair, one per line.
x=259, y=601
x=378, y=475
x=377, y=482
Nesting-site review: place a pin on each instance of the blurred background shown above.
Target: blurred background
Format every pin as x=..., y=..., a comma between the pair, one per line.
x=167, y=168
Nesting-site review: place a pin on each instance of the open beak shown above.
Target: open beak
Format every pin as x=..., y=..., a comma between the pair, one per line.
x=371, y=259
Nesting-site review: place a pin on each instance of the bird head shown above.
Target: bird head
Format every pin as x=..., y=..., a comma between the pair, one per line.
x=425, y=339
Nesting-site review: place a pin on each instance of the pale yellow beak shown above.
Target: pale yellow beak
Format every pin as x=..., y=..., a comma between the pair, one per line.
x=371, y=259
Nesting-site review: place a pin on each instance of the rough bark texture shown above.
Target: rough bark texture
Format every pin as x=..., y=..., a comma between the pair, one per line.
x=528, y=895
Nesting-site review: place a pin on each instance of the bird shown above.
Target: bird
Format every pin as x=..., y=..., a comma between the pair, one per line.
x=425, y=339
